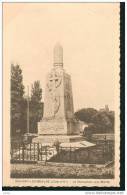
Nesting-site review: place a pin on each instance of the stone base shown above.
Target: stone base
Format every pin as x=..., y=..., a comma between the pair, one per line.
x=59, y=126
x=61, y=138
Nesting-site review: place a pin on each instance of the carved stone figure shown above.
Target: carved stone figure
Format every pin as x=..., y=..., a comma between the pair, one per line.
x=54, y=80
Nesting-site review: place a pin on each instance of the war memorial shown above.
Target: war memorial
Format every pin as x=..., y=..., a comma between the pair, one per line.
x=58, y=123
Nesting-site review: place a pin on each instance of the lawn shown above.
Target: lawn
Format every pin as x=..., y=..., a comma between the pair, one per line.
x=61, y=170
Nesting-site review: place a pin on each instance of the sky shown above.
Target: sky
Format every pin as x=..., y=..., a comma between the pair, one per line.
x=89, y=34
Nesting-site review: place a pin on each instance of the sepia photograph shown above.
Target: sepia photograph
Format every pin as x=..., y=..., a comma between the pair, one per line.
x=61, y=94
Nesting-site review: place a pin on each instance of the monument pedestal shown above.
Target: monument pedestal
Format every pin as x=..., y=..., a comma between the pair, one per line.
x=51, y=139
x=57, y=126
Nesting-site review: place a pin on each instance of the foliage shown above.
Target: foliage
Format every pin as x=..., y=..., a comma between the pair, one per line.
x=104, y=121
x=19, y=104
x=17, y=92
x=36, y=106
x=86, y=114
x=98, y=121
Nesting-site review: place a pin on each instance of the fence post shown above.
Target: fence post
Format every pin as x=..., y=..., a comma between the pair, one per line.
x=38, y=151
x=11, y=152
x=70, y=153
x=23, y=152
x=41, y=152
x=105, y=146
x=75, y=156
x=34, y=151
x=27, y=155
x=104, y=153
x=60, y=149
x=88, y=157
x=19, y=151
x=30, y=151
x=46, y=154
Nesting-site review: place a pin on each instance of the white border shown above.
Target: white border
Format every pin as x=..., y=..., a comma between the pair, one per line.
x=55, y=192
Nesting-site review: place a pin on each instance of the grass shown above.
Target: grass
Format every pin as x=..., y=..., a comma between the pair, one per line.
x=60, y=171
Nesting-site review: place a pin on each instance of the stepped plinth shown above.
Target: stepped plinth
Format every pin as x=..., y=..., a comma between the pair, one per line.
x=51, y=139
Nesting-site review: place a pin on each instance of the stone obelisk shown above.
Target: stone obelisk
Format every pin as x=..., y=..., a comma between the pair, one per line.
x=58, y=119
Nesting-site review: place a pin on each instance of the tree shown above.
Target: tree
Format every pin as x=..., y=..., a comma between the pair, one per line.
x=86, y=114
x=17, y=92
x=103, y=122
x=98, y=121
x=111, y=116
x=36, y=106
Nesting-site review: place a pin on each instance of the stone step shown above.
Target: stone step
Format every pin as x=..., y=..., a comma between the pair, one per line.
x=51, y=139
